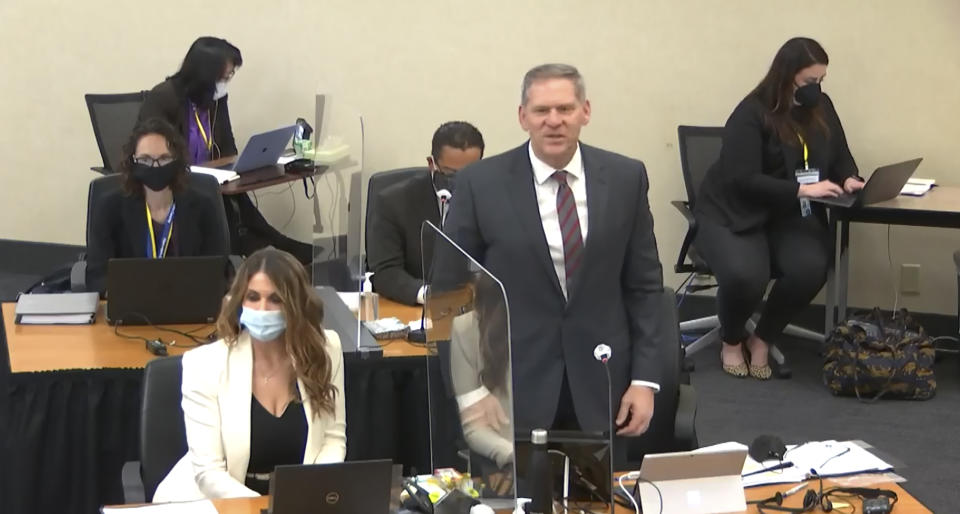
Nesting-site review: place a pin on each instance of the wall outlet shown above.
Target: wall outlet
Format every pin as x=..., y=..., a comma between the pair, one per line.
x=910, y=278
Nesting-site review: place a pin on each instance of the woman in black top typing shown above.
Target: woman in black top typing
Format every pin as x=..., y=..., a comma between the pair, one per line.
x=154, y=214
x=782, y=146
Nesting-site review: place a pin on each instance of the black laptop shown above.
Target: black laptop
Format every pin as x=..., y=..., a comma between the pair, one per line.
x=165, y=291
x=341, y=488
x=885, y=183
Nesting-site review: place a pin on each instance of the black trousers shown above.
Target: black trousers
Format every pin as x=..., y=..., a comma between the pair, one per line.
x=792, y=250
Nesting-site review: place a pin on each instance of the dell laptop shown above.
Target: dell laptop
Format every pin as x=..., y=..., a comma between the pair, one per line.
x=884, y=184
x=340, y=488
x=262, y=150
x=166, y=291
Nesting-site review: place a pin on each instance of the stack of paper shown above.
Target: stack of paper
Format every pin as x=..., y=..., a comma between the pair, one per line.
x=824, y=458
x=917, y=186
x=56, y=309
x=222, y=176
x=197, y=507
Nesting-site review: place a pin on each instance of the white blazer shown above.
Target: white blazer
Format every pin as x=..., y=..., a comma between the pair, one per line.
x=217, y=387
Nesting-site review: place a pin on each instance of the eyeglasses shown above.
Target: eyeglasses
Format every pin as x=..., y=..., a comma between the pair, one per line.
x=146, y=160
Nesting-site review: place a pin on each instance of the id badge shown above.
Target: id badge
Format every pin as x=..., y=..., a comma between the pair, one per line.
x=807, y=176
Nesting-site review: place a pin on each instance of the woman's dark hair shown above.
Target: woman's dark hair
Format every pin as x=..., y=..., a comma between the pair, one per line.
x=175, y=144
x=303, y=340
x=777, y=88
x=203, y=66
x=491, y=311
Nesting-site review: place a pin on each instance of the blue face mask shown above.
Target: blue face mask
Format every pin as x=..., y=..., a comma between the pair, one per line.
x=263, y=325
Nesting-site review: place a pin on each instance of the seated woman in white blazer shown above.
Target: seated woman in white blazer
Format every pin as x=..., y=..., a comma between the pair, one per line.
x=270, y=392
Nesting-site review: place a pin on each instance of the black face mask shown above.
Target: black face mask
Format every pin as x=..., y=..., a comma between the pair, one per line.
x=808, y=95
x=155, y=177
x=442, y=181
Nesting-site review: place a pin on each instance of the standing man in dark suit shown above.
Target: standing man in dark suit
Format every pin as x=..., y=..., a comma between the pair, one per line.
x=567, y=228
x=393, y=250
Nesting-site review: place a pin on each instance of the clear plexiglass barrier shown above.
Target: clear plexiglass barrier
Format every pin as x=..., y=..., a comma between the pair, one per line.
x=336, y=191
x=469, y=377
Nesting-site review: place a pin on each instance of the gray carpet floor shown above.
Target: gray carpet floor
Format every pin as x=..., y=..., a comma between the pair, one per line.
x=923, y=435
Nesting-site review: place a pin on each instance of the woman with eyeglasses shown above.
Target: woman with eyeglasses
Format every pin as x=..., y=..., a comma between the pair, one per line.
x=269, y=393
x=783, y=146
x=153, y=214
x=194, y=101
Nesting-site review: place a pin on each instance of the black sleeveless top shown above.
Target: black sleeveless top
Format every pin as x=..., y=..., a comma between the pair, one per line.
x=274, y=441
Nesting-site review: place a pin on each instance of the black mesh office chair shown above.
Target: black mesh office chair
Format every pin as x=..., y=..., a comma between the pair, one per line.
x=100, y=187
x=113, y=118
x=699, y=149
x=163, y=438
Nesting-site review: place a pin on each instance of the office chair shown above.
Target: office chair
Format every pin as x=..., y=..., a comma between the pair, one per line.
x=113, y=118
x=382, y=180
x=675, y=406
x=699, y=149
x=378, y=182
x=163, y=437
x=206, y=185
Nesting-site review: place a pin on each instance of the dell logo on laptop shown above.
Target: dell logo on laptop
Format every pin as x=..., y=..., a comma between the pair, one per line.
x=333, y=498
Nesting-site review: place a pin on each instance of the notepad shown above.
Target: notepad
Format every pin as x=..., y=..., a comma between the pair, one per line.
x=222, y=176
x=918, y=186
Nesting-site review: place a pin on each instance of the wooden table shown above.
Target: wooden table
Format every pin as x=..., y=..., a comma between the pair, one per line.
x=906, y=504
x=97, y=346
x=939, y=208
x=260, y=178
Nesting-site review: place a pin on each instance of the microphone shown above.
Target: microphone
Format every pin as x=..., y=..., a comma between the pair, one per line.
x=444, y=196
x=604, y=353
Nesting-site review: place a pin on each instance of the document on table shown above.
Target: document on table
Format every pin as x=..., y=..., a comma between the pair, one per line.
x=222, y=176
x=197, y=507
x=826, y=458
x=918, y=186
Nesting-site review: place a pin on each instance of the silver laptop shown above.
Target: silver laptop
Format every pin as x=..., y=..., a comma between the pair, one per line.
x=693, y=482
x=885, y=183
x=262, y=150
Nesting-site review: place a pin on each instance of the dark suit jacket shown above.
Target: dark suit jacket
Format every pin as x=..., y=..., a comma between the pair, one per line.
x=393, y=237
x=168, y=102
x=119, y=229
x=754, y=179
x=494, y=217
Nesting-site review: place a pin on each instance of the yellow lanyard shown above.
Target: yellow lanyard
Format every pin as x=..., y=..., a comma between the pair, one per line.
x=806, y=165
x=203, y=133
x=152, y=236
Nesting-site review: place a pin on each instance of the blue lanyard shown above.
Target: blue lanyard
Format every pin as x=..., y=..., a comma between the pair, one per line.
x=164, y=241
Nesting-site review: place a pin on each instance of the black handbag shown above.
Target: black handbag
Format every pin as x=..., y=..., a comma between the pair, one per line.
x=871, y=355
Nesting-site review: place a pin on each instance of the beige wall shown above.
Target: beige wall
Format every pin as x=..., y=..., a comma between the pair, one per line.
x=408, y=66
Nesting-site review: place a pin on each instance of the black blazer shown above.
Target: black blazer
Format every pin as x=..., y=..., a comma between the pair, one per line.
x=118, y=228
x=167, y=101
x=494, y=217
x=754, y=177
x=393, y=234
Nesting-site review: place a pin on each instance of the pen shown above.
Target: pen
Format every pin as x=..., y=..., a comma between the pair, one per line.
x=782, y=465
x=845, y=451
x=794, y=490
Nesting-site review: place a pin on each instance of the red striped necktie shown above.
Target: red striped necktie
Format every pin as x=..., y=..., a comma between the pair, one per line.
x=569, y=228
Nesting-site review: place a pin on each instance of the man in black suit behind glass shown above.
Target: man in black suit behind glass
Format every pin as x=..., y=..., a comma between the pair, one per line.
x=567, y=228
x=394, y=252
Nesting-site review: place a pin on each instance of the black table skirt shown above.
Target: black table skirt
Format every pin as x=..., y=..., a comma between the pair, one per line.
x=68, y=433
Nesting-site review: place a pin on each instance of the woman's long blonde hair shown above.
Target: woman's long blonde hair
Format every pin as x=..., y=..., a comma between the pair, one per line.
x=303, y=339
